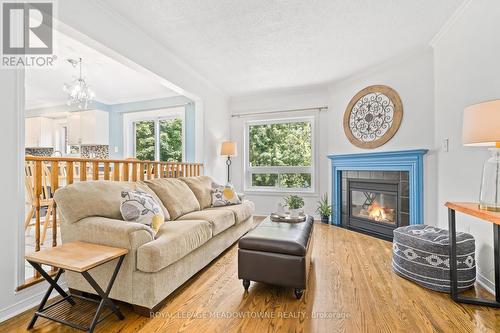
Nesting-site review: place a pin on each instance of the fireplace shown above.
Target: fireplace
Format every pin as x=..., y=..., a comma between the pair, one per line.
x=374, y=205
x=377, y=192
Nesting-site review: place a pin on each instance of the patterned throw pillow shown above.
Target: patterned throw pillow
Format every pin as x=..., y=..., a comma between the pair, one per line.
x=224, y=195
x=141, y=207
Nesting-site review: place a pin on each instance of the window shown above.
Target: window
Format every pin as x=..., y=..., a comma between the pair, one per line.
x=159, y=139
x=171, y=140
x=280, y=155
x=145, y=140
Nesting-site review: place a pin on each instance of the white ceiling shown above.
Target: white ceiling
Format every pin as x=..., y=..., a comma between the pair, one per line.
x=111, y=81
x=250, y=45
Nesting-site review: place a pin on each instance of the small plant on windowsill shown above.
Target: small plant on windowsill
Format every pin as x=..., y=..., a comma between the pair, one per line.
x=324, y=209
x=294, y=204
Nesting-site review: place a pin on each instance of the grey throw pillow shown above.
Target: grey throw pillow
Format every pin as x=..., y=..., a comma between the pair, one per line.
x=138, y=206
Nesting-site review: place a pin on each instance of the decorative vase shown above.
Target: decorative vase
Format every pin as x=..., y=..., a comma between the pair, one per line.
x=325, y=219
x=489, y=196
x=294, y=213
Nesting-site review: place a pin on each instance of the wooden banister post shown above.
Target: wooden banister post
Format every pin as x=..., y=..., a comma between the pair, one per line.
x=116, y=171
x=38, y=192
x=69, y=172
x=134, y=171
x=157, y=167
x=125, y=172
x=106, y=170
x=141, y=171
x=95, y=170
x=54, y=183
x=83, y=171
x=148, y=170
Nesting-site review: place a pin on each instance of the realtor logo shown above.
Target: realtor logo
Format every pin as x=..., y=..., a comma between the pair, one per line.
x=27, y=28
x=27, y=34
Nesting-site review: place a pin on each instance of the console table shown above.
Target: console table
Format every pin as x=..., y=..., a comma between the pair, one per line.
x=78, y=257
x=472, y=209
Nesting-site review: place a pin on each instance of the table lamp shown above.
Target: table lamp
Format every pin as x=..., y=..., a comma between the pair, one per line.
x=228, y=149
x=481, y=127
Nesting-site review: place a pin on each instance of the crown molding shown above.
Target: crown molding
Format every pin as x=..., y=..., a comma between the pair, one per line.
x=450, y=23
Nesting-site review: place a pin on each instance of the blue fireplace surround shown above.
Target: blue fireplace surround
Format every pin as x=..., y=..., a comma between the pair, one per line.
x=403, y=160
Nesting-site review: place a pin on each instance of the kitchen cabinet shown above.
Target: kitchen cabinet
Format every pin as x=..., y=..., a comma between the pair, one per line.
x=73, y=124
x=39, y=132
x=89, y=127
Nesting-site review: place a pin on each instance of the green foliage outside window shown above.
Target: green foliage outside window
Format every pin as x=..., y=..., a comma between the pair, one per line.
x=281, y=144
x=145, y=140
x=295, y=180
x=170, y=140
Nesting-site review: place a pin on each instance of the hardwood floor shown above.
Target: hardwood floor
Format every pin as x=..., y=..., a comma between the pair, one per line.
x=351, y=289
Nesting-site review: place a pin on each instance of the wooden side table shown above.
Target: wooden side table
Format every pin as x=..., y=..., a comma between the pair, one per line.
x=77, y=257
x=472, y=209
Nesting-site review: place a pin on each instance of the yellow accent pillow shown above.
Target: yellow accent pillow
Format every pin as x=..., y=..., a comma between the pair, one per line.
x=224, y=196
x=157, y=222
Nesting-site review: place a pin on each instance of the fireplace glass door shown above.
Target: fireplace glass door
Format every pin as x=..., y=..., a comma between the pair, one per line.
x=374, y=206
x=374, y=201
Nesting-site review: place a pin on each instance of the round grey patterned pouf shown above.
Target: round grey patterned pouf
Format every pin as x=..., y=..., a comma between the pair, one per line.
x=420, y=253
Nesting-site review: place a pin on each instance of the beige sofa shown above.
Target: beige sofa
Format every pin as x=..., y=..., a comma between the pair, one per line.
x=156, y=265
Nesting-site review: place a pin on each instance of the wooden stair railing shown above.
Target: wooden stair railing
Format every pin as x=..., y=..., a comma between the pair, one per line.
x=44, y=175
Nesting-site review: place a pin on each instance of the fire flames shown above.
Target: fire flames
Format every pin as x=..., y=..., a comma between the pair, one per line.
x=377, y=212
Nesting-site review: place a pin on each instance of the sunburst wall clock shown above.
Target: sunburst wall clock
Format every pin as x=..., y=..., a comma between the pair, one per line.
x=373, y=116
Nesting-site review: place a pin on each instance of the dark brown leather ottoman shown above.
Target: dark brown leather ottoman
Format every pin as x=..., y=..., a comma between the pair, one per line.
x=277, y=253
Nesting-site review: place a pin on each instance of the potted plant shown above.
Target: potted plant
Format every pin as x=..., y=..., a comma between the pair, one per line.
x=324, y=209
x=294, y=204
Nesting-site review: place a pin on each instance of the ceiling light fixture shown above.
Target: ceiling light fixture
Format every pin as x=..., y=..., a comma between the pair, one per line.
x=78, y=91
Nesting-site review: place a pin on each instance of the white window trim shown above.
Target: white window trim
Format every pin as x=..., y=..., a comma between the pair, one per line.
x=249, y=170
x=135, y=117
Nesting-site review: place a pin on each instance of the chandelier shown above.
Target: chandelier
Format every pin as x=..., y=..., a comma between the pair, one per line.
x=78, y=91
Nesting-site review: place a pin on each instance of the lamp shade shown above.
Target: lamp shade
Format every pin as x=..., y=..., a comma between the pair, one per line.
x=228, y=148
x=481, y=126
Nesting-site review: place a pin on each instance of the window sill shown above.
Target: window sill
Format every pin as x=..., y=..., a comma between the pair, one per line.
x=250, y=192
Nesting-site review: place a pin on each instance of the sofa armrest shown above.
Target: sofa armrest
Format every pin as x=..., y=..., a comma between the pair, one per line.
x=106, y=231
x=241, y=196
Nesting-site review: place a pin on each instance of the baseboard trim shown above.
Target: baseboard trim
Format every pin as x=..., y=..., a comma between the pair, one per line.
x=485, y=283
x=27, y=304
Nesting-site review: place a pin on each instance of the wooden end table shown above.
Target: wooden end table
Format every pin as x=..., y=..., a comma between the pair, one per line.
x=472, y=209
x=77, y=257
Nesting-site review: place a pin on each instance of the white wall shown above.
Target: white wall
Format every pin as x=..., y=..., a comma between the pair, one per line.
x=411, y=75
x=466, y=72
x=277, y=101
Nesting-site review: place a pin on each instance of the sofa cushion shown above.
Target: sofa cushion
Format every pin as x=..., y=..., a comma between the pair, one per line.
x=174, y=240
x=202, y=189
x=175, y=195
x=241, y=212
x=92, y=198
x=144, y=187
x=219, y=220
